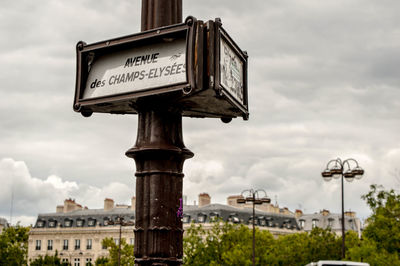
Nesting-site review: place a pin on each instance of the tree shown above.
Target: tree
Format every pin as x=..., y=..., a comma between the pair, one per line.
x=383, y=231
x=231, y=244
x=48, y=261
x=14, y=246
x=367, y=251
x=127, y=257
x=102, y=261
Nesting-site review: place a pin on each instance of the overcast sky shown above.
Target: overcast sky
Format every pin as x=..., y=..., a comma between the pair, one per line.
x=323, y=83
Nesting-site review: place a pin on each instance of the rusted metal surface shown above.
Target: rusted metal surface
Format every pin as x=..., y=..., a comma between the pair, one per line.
x=159, y=155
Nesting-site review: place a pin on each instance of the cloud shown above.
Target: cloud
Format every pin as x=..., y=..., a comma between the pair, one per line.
x=323, y=84
x=25, y=196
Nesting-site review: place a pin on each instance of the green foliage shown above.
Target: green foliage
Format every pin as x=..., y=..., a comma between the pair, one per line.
x=48, y=261
x=231, y=244
x=367, y=251
x=14, y=246
x=127, y=257
x=101, y=261
x=384, y=223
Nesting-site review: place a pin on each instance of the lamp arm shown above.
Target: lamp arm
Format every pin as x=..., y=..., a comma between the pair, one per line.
x=350, y=159
x=260, y=190
x=336, y=161
x=250, y=191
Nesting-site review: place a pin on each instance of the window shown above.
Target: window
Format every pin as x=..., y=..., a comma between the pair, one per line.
x=91, y=222
x=116, y=241
x=52, y=223
x=77, y=262
x=50, y=244
x=351, y=223
x=40, y=223
x=64, y=260
x=234, y=218
x=89, y=244
x=288, y=225
x=106, y=220
x=302, y=224
x=201, y=218
x=89, y=261
x=38, y=244
x=132, y=241
x=262, y=221
x=330, y=222
x=314, y=223
x=67, y=223
x=269, y=221
x=79, y=222
x=77, y=244
x=65, y=245
x=251, y=220
x=186, y=219
x=214, y=216
x=103, y=247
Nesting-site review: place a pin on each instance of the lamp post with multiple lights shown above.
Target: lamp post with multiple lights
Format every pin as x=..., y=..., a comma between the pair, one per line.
x=337, y=168
x=121, y=222
x=251, y=195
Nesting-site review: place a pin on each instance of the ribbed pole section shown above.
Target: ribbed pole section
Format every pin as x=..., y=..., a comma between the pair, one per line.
x=158, y=13
x=159, y=155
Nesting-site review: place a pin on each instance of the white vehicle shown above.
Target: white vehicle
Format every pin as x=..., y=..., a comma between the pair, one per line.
x=337, y=262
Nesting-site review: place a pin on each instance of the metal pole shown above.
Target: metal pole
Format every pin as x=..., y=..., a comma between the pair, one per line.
x=254, y=231
x=343, y=234
x=159, y=155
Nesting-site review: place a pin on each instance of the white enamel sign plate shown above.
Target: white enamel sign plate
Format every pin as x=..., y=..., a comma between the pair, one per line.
x=231, y=71
x=140, y=68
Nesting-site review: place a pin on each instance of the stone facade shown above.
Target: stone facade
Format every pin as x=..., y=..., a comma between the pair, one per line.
x=76, y=233
x=325, y=219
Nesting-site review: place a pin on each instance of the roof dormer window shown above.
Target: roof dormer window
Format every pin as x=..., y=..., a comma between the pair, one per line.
x=67, y=223
x=40, y=223
x=214, y=216
x=79, y=222
x=186, y=219
x=52, y=223
x=201, y=217
x=91, y=222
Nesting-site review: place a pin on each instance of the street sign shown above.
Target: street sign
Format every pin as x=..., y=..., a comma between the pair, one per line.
x=113, y=74
x=194, y=66
x=230, y=68
x=137, y=69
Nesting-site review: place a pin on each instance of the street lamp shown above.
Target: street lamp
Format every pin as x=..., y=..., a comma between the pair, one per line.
x=337, y=168
x=120, y=220
x=252, y=196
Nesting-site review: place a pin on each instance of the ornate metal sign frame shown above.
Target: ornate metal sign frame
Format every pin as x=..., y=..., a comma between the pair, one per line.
x=124, y=103
x=219, y=34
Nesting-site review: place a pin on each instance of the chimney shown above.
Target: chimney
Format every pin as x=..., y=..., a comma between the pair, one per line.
x=60, y=209
x=298, y=213
x=232, y=200
x=204, y=199
x=108, y=204
x=70, y=205
x=350, y=214
x=133, y=203
x=325, y=212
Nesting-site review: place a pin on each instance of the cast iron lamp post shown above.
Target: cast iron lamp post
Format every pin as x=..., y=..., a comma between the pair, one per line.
x=337, y=168
x=252, y=196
